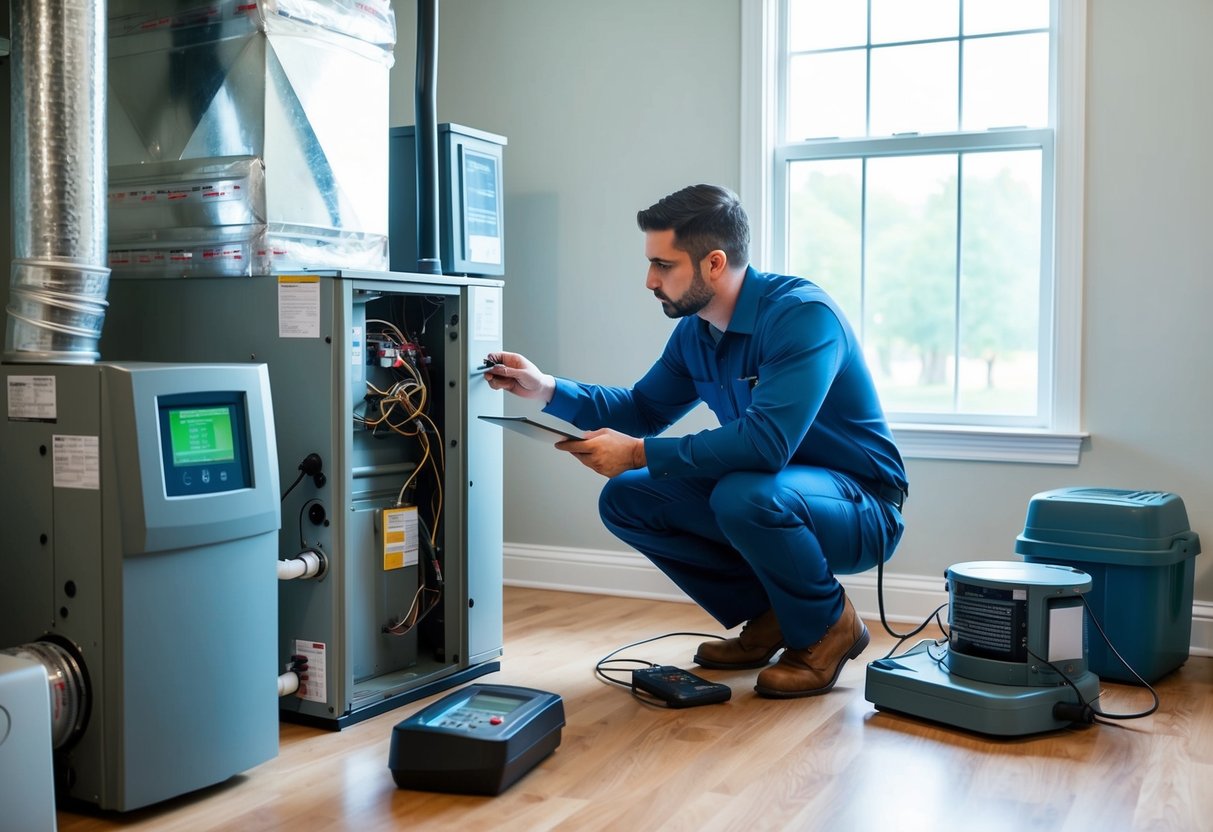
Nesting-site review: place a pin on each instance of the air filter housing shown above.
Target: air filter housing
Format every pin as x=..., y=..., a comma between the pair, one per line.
x=1010, y=621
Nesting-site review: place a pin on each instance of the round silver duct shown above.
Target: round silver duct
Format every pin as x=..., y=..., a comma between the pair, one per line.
x=67, y=684
x=59, y=274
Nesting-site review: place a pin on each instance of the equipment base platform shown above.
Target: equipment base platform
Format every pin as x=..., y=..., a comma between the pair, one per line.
x=917, y=684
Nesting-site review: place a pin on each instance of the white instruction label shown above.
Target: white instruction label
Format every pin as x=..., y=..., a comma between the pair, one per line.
x=357, y=350
x=31, y=398
x=482, y=249
x=399, y=537
x=1065, y=633
x=315, y=687
x=77, y=462
x=298, y=306
x=486, y=313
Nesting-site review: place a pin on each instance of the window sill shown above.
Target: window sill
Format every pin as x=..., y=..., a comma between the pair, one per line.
x=974, y=444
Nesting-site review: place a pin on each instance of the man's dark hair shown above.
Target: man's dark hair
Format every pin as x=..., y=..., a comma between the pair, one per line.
x=704, y=218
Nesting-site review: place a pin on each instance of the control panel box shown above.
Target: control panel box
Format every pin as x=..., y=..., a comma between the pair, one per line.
x=375, y=374
x=470, y=197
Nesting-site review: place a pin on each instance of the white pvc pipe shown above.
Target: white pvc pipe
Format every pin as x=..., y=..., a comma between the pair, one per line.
x=306, y=564
x=288, y=683
x=288, y=570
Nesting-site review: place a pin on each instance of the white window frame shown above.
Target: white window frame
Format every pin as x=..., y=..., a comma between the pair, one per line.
x=1061, y=442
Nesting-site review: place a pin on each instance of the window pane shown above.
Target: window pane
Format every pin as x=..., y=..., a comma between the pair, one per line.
x=1006, y=82
x=914, y=89
x=826, y=24
x=902, y=20
x=910, y=303
x=982, y=16
x=825, y=215
x=826, y=95
x=935, y=254
x=1000, y=280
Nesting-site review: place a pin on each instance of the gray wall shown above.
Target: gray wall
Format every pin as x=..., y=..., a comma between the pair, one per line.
x=609, y=106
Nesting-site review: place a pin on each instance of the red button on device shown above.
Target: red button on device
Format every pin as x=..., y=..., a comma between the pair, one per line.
x=494, y=720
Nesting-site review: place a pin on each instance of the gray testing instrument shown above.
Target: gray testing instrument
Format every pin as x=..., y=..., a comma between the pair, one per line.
x=478, y=740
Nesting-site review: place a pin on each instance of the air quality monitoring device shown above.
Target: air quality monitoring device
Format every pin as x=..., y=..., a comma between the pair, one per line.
x=478, y=740
x=1015, y=662
x=470, y=221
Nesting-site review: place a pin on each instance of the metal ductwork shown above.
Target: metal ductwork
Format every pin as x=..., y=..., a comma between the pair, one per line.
x=247, y=138
x=425, y=103
x=68, y=687
x=59, y=273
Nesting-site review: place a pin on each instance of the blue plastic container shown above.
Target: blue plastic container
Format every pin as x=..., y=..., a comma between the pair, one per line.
x=1139, y=551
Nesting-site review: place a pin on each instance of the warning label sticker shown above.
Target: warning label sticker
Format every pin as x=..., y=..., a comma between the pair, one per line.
x=77, y=462
x=399, y=537
x=315, y=687
x=31, y=399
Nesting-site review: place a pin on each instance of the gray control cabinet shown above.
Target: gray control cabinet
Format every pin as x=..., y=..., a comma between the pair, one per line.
x=167, y=601
x=320, y=335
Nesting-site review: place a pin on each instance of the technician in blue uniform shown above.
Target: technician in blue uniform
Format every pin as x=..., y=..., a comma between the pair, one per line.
x=801, y=481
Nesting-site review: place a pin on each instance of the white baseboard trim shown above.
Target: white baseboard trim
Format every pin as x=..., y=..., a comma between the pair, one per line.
x=594, y=571
x=1202, y=629
x=907, y=598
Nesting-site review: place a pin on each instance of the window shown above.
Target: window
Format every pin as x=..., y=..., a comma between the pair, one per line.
x=915, y=166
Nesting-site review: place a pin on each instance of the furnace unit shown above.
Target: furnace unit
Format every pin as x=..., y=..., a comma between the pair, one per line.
x=140, y=503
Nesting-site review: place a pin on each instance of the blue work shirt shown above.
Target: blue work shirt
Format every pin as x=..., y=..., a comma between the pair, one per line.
x=787, y=380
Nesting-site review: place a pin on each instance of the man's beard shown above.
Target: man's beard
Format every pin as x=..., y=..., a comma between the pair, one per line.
x=696, y=297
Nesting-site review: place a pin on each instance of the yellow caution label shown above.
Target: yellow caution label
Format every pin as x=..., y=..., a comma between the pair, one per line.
x=399, y=537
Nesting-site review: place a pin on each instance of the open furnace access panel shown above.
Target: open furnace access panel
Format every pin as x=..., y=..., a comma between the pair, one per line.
x=374, y=372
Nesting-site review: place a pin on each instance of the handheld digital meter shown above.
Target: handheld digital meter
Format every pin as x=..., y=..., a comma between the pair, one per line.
x=477, y=740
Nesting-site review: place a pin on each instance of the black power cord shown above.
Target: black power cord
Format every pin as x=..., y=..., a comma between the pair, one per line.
x=1087, y=712
x=884, y=622
x=311, y=466
x=601, y=670
x=932, y=616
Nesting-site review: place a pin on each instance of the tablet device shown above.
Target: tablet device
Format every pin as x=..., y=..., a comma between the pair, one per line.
x=527, y=427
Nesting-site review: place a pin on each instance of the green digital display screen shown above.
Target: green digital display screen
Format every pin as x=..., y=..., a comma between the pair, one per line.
x=493, y=704
x=204, y=442
x=200, y=436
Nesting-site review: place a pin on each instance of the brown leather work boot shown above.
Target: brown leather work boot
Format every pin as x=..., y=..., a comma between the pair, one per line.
x=759, y=640
x=814, y=670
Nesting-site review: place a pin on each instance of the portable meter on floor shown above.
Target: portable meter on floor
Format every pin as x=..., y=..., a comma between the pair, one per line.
x=478, y=740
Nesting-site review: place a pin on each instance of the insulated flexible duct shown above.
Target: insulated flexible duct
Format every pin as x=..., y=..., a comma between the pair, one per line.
x=59, y=274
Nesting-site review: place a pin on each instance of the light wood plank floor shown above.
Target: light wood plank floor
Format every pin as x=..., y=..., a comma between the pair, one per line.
x=829, y=762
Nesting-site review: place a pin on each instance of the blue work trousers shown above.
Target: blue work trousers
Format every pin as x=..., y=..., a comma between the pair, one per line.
x=754, y=541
